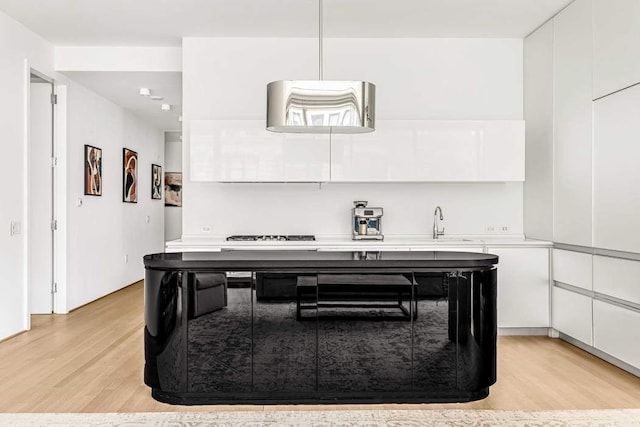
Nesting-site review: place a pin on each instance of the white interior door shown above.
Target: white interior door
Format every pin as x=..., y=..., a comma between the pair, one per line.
x=40, y=197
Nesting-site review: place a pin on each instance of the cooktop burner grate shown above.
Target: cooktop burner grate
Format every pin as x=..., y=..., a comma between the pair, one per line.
x=271, y=238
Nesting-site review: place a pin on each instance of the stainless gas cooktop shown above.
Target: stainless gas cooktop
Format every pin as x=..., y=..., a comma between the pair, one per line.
x=271, y=238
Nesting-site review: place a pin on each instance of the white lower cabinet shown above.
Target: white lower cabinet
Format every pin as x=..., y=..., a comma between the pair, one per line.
x=523, y=287
x=619, y=278
x=571, y=314
x=616, y=331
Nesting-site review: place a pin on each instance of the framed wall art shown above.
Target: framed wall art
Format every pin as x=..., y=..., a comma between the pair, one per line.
x=92, y=171
x=156, y=182
x=129, y=176
x=173, y=189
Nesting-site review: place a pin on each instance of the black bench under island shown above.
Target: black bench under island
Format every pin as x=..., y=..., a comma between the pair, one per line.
x=320, y=327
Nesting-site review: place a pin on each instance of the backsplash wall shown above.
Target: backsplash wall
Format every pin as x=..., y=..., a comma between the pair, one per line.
x=326, y=210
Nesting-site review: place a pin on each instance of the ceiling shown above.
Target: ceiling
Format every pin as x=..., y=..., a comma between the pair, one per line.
x=122, y=88
x=166, y=22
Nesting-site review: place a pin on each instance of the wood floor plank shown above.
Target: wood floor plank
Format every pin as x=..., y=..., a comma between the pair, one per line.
x=92, y=359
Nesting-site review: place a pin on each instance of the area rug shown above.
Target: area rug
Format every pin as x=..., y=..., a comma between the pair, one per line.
x=352, y=418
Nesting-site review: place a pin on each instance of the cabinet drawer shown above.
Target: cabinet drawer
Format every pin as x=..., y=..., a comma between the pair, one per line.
x=616, y=331
x=619, y=278
x=573, y=268
x=571, y=314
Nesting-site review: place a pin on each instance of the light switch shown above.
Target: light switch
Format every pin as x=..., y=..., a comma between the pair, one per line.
x=15, y=228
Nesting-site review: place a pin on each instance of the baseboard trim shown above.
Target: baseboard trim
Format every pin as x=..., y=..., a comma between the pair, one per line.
x=523, y=331
x=601, y=354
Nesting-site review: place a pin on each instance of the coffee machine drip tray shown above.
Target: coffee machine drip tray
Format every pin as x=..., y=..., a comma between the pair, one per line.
x=272, y=238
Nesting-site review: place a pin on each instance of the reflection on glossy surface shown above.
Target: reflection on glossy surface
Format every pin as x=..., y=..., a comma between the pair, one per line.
x=219, y=348
x=284, y=349
x=320, y=106
x=165, y=337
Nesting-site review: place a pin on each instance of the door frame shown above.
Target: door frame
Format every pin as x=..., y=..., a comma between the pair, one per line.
x=56, y=194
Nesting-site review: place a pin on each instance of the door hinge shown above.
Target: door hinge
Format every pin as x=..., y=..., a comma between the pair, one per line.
x=53, y=161
x=54, y=287
x=54, y=99
x=54, y=225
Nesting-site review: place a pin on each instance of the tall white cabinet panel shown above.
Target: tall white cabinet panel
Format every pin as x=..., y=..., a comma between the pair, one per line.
x=573, y=268
x=571, y=314
x=616, y=171
x=538, y=113
x=572, y=59
x=616, y=331
x=431, y=150
x=619, y=278
x=616, y=47
x=244, y=151
x=523, y=287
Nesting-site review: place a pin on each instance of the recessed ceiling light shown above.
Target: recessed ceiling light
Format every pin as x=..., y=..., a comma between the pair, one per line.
x=157, y=97
x=144, y=91
x=165, y=107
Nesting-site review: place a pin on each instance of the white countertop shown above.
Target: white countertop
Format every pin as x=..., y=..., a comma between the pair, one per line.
x=474, y=243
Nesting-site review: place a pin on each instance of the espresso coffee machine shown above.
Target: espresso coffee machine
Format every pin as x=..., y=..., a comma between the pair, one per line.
x=366, y=222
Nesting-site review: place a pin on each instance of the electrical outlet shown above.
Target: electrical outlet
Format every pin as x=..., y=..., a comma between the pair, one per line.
x=490, y=229
x=147, y=219
x=503, y=228
x=205, y=229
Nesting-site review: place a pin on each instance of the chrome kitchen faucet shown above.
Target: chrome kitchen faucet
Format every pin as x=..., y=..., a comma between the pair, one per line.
x=437, y=232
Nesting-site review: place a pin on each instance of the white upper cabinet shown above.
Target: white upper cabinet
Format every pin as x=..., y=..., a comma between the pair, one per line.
x=572, y=59
x=431, y=150
x=244, y=151
x=616, y=45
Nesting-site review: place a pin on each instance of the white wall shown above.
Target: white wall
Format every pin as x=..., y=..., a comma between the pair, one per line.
x=104, y=230
x=415, y=79
x=172, y=163
x=17, y=44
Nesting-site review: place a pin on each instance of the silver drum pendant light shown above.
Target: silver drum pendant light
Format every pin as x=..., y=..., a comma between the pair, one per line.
x=321, y=106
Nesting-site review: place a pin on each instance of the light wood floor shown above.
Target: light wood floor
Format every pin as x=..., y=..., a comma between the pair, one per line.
x=92, y=360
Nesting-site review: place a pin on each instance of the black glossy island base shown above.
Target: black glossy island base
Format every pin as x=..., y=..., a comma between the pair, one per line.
x=320, y=327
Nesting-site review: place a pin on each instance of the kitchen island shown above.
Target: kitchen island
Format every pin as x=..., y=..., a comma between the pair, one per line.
x=367, y=333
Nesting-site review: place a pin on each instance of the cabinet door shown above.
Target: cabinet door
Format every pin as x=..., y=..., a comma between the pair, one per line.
x=381, y=156
x=244, y=151
x=619, y=278
x=571, y=314
x=284, y=347
x=364, y=336
x=616, y=199
x=572, y=53
x=219, y=339
x=431, y=150
x=523, y=287
x=573, y=268
x=616, y=31
x=616, y=331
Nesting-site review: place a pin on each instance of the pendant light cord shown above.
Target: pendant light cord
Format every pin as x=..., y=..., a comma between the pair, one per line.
x=320, y=39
